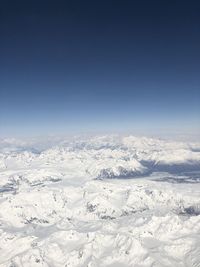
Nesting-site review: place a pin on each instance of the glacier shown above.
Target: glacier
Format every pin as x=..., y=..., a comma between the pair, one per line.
x=99, y=201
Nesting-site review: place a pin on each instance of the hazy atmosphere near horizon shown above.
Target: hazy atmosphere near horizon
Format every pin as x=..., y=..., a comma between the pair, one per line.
x=100, y=133
x=99, y=66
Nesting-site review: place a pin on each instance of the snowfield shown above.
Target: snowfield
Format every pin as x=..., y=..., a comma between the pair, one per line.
x=107, y=201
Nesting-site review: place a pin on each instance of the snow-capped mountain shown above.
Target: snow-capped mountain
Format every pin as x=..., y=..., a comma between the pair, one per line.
x=99, y=201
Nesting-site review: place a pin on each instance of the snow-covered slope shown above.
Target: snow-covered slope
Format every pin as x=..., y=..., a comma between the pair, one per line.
x=59, y=207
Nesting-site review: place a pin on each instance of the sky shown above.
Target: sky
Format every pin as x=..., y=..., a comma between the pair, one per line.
x=99, y=66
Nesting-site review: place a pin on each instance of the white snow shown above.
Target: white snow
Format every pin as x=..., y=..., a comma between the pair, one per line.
x=102, y=201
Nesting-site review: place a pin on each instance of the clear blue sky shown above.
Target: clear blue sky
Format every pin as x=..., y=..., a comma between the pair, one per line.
x=85, y=66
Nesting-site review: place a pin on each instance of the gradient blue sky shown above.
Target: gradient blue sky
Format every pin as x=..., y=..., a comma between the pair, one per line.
x=99, y=66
